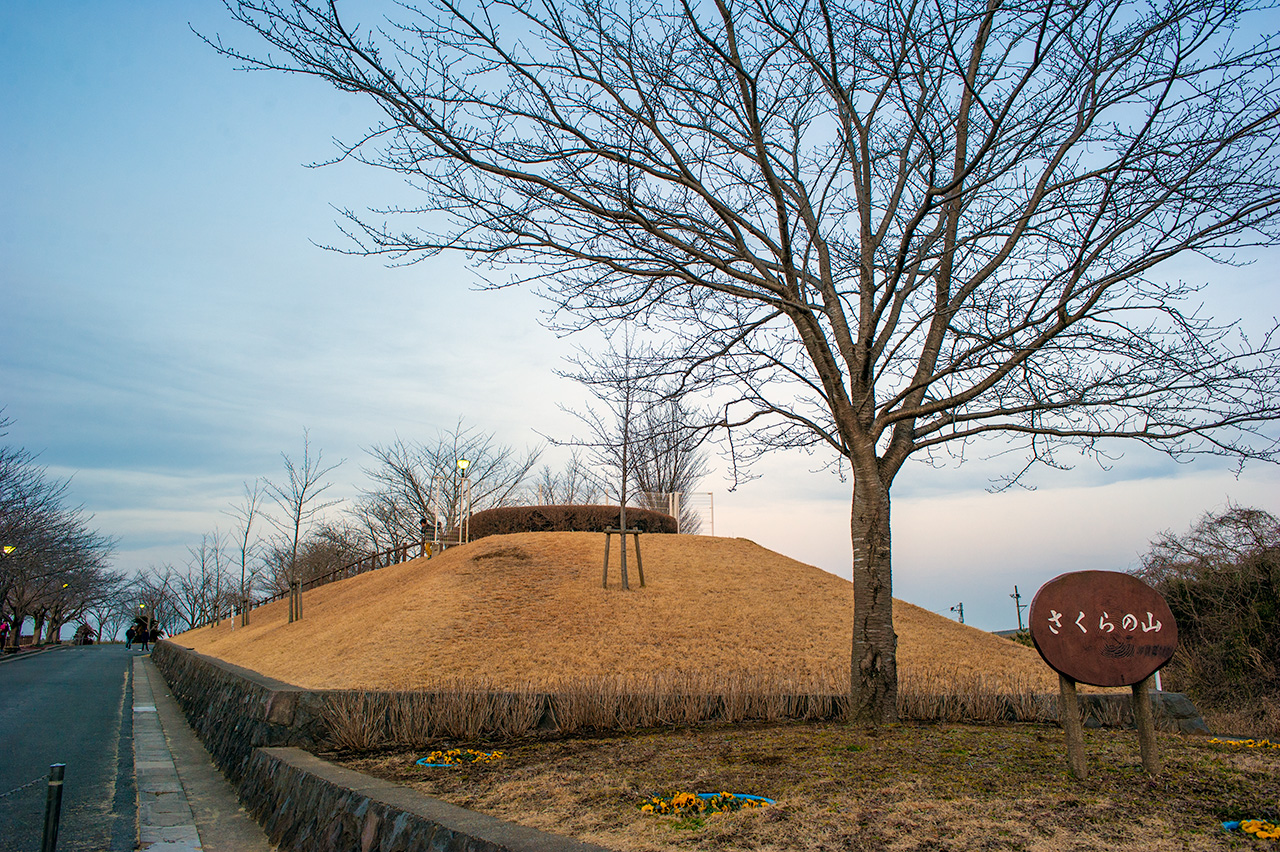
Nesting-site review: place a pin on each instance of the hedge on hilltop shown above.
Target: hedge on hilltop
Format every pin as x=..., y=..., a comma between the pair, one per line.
x=518, y=519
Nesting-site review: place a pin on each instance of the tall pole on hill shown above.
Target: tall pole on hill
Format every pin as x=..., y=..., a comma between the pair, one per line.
x=959, y=608
x=1017, y=602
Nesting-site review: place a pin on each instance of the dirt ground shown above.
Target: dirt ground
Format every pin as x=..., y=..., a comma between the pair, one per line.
x=837, y=787
x=529, y=609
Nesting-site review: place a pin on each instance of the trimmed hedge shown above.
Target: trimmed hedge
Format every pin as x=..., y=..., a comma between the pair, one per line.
x=517, y=519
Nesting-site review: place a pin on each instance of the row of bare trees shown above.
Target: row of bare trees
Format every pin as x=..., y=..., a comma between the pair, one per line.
x=54, y=567
x=282, y=533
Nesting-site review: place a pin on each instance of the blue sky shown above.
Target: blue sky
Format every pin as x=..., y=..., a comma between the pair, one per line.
x=170, y=327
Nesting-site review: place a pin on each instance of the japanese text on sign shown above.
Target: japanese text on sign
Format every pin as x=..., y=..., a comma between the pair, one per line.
x=1128, y=622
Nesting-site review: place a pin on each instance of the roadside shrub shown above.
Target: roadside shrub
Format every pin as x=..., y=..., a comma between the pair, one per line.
x=1222, y=582
x=1022, y=637
x=505, y=520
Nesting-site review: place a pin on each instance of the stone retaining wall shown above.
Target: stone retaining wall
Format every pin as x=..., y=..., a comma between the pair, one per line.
x=307, y=803
x=235, y=710
x=303, y=802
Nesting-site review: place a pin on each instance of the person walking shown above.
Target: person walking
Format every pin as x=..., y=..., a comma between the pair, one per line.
x=143, y=635
x=128, y=637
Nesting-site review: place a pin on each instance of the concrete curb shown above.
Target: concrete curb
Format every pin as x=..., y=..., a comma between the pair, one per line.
x=165, y=821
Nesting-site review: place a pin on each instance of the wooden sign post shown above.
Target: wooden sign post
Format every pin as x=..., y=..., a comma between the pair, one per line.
x=1103, y=628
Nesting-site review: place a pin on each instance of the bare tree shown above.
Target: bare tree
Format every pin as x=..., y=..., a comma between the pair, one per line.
x=245, y=513
x=571, y=485
x=622, y=382
x=672, y=458
x=52, y=563
x=197, y=592
x=414, y=481
x=298, y=498
x=325, y=548
x=893, y=228
x=154, y=601
x=110, y=607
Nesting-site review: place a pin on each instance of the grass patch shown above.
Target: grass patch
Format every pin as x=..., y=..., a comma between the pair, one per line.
x=901, y=787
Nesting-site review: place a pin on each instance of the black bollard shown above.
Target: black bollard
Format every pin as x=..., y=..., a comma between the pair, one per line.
x=53, y=808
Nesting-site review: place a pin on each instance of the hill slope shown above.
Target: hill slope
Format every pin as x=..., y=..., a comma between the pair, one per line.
x=529, y=608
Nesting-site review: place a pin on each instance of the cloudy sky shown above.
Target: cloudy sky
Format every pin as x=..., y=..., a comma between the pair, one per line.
x=170, y=326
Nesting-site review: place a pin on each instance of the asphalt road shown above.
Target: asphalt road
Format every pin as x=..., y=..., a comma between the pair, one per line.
x=69, y=705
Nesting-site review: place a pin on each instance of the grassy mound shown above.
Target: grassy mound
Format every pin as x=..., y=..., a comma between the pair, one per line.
x=528, y=609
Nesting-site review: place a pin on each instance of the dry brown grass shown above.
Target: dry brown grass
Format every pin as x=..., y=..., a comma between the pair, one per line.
x=841, y=787
x=525, y=611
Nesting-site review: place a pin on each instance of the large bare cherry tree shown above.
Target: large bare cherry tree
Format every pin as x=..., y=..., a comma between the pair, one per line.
x=891, y=227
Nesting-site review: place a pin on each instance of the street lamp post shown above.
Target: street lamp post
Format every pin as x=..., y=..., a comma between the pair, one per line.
x=464, y=503
x=8, y=550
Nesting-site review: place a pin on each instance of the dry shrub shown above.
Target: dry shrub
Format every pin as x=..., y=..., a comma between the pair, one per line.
x=410, y=718
x=682, y=699
x=950, y=695
x=1113, y=713
x=356, y=721
x=1259, y=721
x=470, y=709
x=463, y=709
x=506, y=520
x=584, y=704
x=516, y=713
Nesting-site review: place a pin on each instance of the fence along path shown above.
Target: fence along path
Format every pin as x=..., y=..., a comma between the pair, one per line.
x=372, y=562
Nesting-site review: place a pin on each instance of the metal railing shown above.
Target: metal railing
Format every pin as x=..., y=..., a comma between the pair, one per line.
x=372, y=562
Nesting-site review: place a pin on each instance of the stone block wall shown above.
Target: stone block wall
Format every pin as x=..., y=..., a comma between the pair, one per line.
x=306, y=803
x=235, y=711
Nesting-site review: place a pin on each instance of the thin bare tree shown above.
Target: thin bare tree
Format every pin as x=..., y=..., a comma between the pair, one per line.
x=298, y=497
x=623, y=385
x=891, y=228
x=415, y=481
x=672, y=458
x=245, y=513
x=572, y=484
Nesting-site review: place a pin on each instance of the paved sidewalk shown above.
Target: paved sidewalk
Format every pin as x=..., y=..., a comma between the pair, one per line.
x=184, y=802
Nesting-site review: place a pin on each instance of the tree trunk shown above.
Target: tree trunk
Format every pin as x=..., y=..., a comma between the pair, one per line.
x=622, y=551
x=874, y=672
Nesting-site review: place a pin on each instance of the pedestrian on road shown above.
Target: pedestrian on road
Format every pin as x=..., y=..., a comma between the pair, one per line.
x=143, y=635
x=128, y=638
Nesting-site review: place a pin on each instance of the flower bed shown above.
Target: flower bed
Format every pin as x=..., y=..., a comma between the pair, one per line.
x=702, y=803
x=1245, y=743
x=1259, y=828
x=458, y=757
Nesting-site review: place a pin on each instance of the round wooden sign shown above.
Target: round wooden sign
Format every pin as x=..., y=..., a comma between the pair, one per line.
x=1102, y=627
